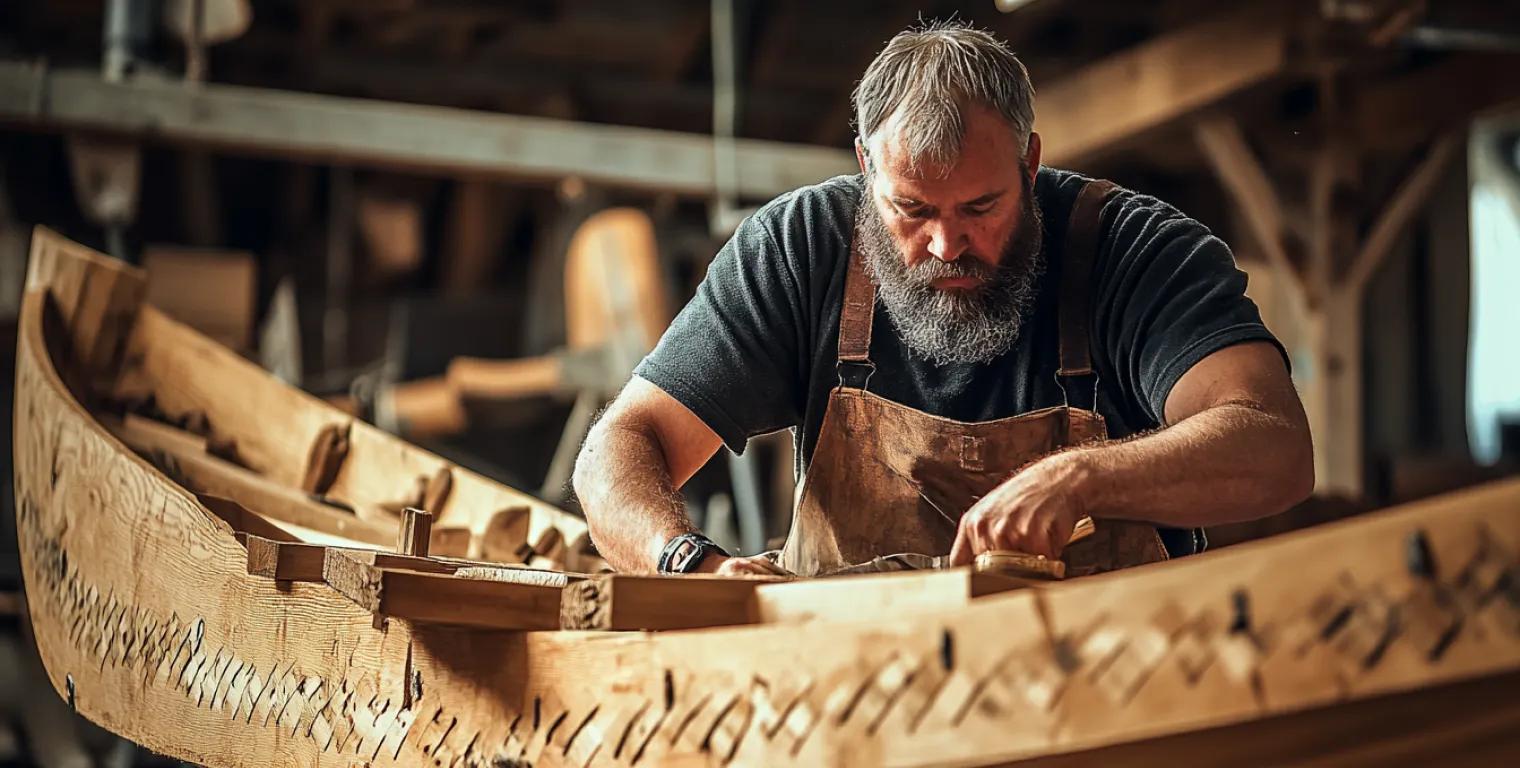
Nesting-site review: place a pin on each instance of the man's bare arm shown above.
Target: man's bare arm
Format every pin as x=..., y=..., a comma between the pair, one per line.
x=643, y=449
x=1237, y=448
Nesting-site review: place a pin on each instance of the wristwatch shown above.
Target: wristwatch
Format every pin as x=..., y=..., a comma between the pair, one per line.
x=684, y=553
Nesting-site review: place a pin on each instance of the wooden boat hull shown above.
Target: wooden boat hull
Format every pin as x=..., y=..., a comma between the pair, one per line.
x=1311, y=644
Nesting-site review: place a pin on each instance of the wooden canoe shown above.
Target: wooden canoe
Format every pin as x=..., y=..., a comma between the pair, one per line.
x=244, y=616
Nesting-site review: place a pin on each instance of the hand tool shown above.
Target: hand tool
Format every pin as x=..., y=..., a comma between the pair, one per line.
x=999, y=562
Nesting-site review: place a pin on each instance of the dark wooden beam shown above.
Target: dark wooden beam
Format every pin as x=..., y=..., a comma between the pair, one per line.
x=1107, y=104
x=431, y=139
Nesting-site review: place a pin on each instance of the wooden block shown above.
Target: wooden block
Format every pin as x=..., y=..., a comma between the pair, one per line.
x=504, y=536
x=412, y=539
x=242, y=520
x=325, y=457
x=212, y=291
x=442, y=598
x=285, y=561
x=618, y=602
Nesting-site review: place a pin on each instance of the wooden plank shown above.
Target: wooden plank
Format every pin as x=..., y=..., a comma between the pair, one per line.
x=96, y=296
x=303, y=561
x=242, y=520
x=406, y=136
x=1158, y=82
x=219, y=477
x=618, y=602
x=862, y=597
x=275, y=425
x=434, y=598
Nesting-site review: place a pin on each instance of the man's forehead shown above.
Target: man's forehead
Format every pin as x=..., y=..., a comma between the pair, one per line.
x=897, y=173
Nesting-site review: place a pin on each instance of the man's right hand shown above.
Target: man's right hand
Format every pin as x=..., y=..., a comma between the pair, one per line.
x=754, y=565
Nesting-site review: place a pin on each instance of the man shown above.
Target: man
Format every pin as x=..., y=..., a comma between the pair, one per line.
x=951, y=335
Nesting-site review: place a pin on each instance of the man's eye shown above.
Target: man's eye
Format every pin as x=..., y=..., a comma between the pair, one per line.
x=911, y=213
x=979, y=210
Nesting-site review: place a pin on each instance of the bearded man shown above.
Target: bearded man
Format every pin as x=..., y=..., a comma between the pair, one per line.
x=974, y=353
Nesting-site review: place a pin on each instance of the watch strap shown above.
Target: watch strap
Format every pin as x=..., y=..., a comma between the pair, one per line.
x=696, y=547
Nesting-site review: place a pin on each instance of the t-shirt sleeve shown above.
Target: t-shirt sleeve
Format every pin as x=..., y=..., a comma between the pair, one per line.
x=1169, y=295
x=731, y=356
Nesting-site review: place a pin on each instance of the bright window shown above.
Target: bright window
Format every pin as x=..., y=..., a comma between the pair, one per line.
x=1493, y=381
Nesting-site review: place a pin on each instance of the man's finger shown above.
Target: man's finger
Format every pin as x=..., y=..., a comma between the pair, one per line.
x=960, y=551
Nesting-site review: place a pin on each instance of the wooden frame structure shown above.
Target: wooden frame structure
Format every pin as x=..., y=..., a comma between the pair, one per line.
x=1394, y=637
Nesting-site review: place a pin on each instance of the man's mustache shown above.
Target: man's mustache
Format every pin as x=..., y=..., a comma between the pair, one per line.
x=932, y=269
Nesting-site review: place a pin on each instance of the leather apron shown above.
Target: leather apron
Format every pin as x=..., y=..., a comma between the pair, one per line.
x=885, y=478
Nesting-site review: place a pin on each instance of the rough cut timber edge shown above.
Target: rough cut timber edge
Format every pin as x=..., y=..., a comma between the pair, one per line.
x=149, y=625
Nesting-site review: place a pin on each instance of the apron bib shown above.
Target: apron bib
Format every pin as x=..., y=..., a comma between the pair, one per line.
x=886, y=478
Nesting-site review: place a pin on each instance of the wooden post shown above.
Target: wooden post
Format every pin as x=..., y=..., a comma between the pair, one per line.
x=1327, y=296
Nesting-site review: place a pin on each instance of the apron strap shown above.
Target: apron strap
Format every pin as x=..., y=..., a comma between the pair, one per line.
x=1083, y=237
x=855, y=319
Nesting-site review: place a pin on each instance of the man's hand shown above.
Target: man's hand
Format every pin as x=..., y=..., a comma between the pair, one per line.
x=754, y=565
x=1033, y=512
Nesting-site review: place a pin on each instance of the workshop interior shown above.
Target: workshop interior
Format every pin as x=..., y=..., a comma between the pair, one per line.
x=473, y=383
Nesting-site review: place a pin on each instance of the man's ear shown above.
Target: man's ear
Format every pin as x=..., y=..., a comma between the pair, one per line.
x=860, y=154
x=1032, y=158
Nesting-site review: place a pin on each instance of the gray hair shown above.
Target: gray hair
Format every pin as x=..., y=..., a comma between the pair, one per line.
x=923, y=79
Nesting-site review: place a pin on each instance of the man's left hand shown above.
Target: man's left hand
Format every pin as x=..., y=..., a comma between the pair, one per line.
x=1033, y=512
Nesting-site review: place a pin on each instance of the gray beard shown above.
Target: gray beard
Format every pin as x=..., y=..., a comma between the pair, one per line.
x=944, y=327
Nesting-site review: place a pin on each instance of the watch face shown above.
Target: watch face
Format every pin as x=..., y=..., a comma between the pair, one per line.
x=682, y=562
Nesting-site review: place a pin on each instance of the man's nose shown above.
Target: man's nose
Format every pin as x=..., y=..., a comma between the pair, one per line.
x=946, y=241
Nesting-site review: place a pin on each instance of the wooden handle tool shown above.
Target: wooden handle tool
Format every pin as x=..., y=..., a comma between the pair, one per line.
x=1019, y=565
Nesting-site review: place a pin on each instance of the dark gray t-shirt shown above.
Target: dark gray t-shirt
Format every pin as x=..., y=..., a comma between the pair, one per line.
x=755, y=350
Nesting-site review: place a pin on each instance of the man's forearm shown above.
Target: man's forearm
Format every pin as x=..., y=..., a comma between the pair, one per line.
x=625, y=488
x=1230, y=463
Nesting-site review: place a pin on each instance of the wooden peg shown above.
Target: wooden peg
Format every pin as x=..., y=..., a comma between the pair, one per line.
x=416, y=525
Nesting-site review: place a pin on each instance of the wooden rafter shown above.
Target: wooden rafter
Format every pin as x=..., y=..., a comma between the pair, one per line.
x=1241, y=173
x=438, y=139
x=1401, y=209
x=1121, y=97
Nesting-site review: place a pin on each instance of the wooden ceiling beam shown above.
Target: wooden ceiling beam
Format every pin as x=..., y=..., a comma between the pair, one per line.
x=1106, y=104
x=1400, y=113
x=1407, y=201
x=339, y=130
